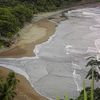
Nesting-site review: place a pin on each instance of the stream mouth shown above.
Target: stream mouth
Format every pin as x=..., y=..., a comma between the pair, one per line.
x=59, y=66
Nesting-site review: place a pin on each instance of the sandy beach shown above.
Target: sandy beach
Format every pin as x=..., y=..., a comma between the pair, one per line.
x=30, y=35
x=24, y=90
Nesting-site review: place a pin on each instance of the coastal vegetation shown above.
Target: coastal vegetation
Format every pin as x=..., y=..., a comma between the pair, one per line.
x=90, y=93
x=8, y=87
x=12, y=18
x=94, y=71
x=15, y=13
x=22, y=88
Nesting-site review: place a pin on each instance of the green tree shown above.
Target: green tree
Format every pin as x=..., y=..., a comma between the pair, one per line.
x=23, y=14
x=8, y=86
x=93, y=73
x=8, y=23
x=88, y=91
x=94, y=65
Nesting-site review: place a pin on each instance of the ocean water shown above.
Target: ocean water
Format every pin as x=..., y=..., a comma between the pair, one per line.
x=59, y=66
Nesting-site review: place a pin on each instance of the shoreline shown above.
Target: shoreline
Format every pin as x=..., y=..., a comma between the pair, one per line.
x=30, y=36
x=38, y=32
x=29, y=93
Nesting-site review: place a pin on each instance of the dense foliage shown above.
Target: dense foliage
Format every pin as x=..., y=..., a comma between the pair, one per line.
x=88, y=90
x=94, y=65
x=8, y=86
x=14, y=13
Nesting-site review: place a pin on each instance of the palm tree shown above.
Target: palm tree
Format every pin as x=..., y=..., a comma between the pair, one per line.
x=95, y=68
x=7, y=92
x=11, y=80
x=7, y=87
x=93, y=73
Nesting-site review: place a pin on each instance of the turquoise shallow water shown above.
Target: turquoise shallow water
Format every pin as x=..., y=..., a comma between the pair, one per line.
x=59, y=65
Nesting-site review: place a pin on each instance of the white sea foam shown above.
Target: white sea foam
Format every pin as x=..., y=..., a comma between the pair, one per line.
x=88, y=13
x=97, y=44
x=80, y=13
x=77, y=80
x=91, y=49
x=76, y=66
x=67, y=48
